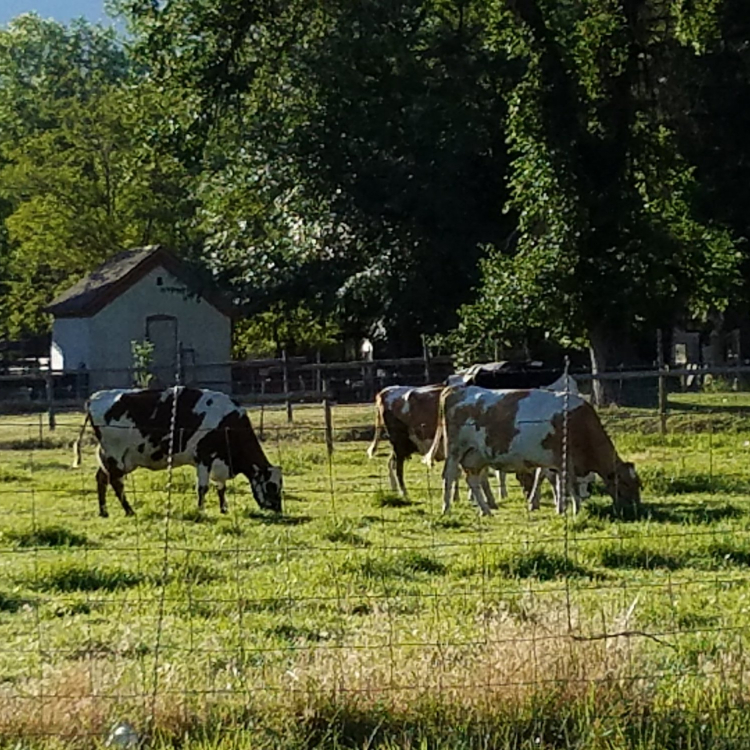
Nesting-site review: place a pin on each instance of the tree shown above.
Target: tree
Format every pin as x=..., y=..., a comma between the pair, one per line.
x=608, y=238
x=84, y=188
x=373, y=133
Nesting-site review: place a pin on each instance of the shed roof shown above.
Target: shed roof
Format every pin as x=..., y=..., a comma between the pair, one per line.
x=95, y=291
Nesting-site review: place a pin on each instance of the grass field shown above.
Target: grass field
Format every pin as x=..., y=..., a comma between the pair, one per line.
x=357, y=619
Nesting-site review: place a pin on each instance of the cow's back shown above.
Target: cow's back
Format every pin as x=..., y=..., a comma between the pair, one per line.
x=134, y=426
x=513, y=428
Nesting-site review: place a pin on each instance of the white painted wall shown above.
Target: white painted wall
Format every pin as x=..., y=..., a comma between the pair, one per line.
x=200, y=327
x=70, y=344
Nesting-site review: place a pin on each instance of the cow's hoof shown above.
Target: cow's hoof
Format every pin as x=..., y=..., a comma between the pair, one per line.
x=130, y=513
x=103, y=514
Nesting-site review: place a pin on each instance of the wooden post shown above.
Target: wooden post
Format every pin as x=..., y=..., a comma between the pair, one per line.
x=662, y=382
x=329, y=426
x=285, y=376
x=426, y=358
x=261, y=435
x=49, y=387
x=318, y=373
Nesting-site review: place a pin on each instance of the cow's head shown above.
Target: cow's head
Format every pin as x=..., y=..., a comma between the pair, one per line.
x=624, y=486
x=266, y=485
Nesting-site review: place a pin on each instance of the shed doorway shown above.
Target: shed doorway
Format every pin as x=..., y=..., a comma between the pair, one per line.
x=161, y=331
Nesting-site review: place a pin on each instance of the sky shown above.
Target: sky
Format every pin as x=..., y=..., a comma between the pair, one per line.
x=60, y=10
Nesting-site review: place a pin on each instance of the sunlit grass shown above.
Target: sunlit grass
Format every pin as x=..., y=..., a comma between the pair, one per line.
x=358, y=619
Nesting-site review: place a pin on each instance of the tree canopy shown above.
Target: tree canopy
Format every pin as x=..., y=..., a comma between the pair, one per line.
x=514, y=171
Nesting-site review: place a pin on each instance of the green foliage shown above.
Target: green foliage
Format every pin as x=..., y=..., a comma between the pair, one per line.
x=608, y=237
x=294, y=329
x=80, y=174
x=143, y=357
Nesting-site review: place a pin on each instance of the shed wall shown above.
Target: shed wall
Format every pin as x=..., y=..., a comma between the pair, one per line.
x=107, y=336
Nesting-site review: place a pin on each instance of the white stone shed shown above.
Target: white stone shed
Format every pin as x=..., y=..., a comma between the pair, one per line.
x=137, y=295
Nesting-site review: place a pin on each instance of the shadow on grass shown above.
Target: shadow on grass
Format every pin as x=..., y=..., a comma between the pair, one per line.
x=11, y=603
x=678, y=513
x=49, y=536
x=70, y=578
x=195, y=515
x=728, y=554
x=33, y=443
x=639, y=558
x=345, y=535
x=391, y=500
x=663, y=482
x=402, y=565
x=276, y=519
x=540, y=564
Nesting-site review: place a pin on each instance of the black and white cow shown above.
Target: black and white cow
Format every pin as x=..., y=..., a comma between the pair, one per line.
x=212, y=433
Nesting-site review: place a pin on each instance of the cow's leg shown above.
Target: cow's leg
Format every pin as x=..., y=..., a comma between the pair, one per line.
x=476, y=483
x=392, y=472
x=487, y=490
x=102, y=480
x=457, y=491
x=535, y=490
x=526, y=480
x=400, y=476
x=222, y=490
x=118, y=485
x=572, y=491
x=220, y=475
x=502, y=484
x=450, y=476
x=201, y=485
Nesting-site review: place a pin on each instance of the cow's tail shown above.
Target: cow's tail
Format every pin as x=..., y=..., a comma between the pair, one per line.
x=430, y=457
x=379, y=427
x=77, y=444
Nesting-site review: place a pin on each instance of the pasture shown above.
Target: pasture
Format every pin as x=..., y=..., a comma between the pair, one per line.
x=358, y=619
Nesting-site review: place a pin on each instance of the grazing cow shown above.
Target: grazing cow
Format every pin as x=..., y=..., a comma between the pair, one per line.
x=410, y=415
x=211, y=432
x=505, y=375
x=522, y=430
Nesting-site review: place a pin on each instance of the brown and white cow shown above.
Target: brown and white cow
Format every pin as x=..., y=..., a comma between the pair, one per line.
x=409, y=415
x=521, y=430
x=212, y=433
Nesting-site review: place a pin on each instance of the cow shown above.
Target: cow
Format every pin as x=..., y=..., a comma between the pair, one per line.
x=521, y=430
x=212, y=432
x=505, y=375
x=410, y=416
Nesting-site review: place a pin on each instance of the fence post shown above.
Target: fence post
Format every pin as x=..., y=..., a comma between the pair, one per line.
x=662, y=382
x=426, y=358
x=49, y=387
x=285, y=376
x=318, y=373
x=261, y=435
x=329, y=426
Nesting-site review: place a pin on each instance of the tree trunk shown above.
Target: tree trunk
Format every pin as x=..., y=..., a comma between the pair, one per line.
x=600, y=347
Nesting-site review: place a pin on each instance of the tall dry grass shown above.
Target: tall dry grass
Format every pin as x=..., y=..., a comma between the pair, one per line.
x=527, y=663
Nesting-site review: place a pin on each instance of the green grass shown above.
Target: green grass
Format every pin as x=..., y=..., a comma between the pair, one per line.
x=360, y=620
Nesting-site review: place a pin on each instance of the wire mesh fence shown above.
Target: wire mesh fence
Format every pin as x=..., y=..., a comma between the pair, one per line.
x=358, y=597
